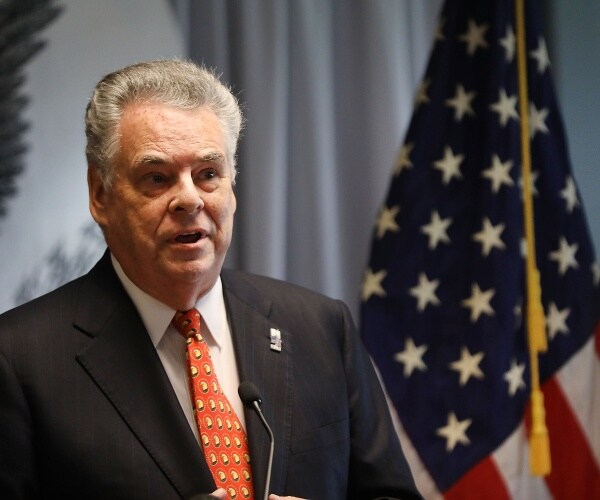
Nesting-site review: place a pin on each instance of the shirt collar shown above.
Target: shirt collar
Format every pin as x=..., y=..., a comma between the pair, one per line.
x=157, y=316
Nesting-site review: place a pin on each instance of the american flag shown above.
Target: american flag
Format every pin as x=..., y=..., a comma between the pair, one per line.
x=443, y=299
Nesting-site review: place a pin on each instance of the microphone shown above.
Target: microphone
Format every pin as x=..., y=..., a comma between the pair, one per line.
x=251, y=398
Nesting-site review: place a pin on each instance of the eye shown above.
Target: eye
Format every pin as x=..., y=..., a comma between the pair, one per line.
x=152, y=181
x=208, y=173
x=155, y=179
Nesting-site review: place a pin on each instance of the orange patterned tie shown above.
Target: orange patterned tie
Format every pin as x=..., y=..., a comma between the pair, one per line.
x=223, y=438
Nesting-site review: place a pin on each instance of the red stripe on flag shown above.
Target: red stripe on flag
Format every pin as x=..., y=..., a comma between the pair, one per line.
x=481, y=481
x=597, y=339
x=575, y=473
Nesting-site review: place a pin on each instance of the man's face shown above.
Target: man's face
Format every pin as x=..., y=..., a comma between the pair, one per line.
x=168, y=216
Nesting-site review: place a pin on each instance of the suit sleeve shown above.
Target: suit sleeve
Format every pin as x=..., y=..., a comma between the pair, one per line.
x=378, y=467
x=16, y=438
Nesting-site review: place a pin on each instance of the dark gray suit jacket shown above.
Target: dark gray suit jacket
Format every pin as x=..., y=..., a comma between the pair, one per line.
x=87, y=411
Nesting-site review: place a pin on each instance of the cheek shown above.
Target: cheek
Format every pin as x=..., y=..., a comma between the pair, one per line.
x=141, y=220
x=223, y=211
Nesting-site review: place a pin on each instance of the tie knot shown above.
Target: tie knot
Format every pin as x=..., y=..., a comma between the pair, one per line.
x=187, y=322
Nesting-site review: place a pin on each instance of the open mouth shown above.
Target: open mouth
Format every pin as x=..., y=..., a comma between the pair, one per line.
x=188, y=238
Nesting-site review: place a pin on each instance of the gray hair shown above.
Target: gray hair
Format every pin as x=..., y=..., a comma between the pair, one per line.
x=178, y=83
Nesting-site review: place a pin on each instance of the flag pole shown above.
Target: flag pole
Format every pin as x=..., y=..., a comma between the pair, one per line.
x=539, y=445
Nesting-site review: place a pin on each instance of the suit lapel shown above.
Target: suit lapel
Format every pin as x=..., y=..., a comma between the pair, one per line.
x=124, y=364
x=269, y=370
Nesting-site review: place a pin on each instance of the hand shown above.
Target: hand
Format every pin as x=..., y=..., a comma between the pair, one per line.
x=221, y=494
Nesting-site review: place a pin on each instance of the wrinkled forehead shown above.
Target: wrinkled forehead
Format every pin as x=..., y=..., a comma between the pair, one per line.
x=152, y=131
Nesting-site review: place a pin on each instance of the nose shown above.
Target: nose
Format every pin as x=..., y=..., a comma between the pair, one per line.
x=187, y=197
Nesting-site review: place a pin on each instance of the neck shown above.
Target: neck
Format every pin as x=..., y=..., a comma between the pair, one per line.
x=181, y=300
x=177, y=294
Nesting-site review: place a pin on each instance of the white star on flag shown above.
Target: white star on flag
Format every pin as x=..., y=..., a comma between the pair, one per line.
x=518, y=312
x=596, y=273
x=421, y=96
x=541, y=56
x=468, y=365
x=424, y=292
x=454, y=431
x=387, y=221
x=537, y=120
x=489, y=237
x=436, y=229
x=474, y=37
x=461, y=102
x=479, y=302
x=506, y=107
x=523, y=248
x=499, y=173
x=532, y=184
x=565, y=256
x=411, y=357
x=508, y=42
x=403, y=161
x=556, y=320
x=569, y=194
x=449, y=165
x=372, y=284
x=514, y=377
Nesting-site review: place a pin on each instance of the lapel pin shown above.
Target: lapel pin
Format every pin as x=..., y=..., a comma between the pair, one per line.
x=275, y=340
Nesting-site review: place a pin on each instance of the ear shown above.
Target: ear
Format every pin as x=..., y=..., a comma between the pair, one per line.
x=97, y=194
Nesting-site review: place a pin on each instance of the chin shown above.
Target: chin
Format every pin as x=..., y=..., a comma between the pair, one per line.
x=192, y=272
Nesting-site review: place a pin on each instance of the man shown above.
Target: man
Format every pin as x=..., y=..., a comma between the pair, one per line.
x=94, y=393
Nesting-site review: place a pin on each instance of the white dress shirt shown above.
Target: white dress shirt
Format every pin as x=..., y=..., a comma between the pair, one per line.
x=170, y=344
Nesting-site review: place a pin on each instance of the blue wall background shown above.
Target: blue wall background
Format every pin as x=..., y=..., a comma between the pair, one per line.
x=573, y=39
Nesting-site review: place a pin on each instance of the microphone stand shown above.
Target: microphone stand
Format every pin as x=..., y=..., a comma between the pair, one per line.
x=271, y=446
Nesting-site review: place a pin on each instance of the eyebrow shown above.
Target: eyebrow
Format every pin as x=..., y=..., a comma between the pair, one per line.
x=150, y=160
x=212, y=157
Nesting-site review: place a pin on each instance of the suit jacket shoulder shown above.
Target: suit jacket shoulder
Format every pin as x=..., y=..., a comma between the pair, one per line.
x=284, y=302
x=245, y=283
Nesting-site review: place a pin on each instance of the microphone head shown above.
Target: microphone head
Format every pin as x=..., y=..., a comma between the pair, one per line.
x=249, y=393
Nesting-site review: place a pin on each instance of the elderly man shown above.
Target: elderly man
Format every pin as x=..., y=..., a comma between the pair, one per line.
x=123, y=383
